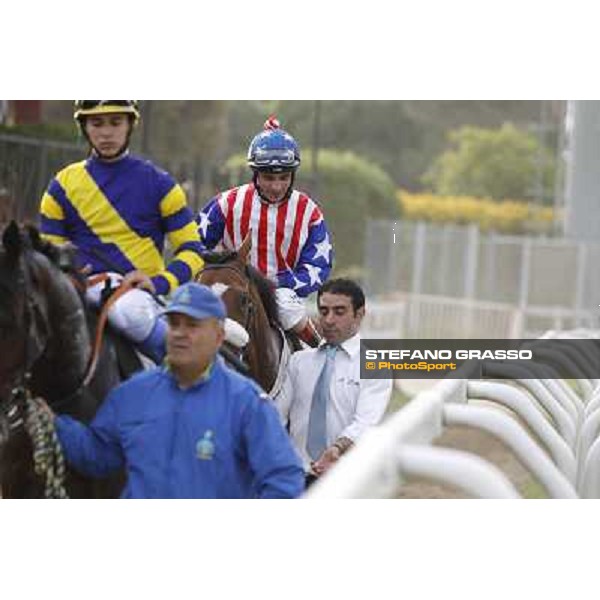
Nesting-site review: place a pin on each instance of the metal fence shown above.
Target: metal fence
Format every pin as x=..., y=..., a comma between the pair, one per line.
x=544, y=282
x=28, y=164
x=443, y=317
x=26, y=167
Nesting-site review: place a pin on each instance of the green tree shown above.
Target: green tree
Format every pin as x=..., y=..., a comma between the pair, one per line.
x=351, y=190
x=504, y=163
x=402, y=137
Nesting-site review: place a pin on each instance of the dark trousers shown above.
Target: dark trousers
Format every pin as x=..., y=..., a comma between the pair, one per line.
x=309, y=479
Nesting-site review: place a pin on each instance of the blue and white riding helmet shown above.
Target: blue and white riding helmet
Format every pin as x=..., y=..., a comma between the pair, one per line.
x=273, y=150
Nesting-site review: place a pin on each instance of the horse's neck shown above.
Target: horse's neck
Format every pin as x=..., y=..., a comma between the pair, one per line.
x=65, y=360
x=266, y=350
x=71, y=330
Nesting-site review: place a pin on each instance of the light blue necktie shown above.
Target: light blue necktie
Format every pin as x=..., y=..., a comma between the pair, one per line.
x=317, y=421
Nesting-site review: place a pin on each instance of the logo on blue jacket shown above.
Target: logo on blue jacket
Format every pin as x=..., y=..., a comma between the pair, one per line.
x=205, y=447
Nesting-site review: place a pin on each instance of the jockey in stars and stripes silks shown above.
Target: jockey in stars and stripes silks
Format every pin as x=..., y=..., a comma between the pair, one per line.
x=291, y=244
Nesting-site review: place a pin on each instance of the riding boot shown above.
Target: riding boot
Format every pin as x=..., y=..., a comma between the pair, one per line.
x=155, y=346
x=309, y=334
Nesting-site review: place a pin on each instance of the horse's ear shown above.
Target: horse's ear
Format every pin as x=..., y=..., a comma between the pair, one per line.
x=11, y=240
x=244, y=251
x=34, y=235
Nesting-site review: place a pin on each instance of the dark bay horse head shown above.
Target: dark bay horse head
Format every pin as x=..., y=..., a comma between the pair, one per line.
x=44, y=351
x=250, y=300
x=44, y=340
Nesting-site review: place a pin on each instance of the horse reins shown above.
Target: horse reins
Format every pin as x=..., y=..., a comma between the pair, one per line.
x=237, y=360
x=47, y=454
x=245, y=291
x=97, y=345
x=48, y=459
x=20, y=388
x=245, y=283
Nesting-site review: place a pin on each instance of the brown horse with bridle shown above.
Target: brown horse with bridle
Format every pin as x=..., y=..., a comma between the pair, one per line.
x=250, y=300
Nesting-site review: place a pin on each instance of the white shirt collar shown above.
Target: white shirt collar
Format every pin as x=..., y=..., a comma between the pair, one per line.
x=351, y=346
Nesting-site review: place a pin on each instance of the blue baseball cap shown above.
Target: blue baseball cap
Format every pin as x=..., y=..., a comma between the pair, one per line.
x=197, y=301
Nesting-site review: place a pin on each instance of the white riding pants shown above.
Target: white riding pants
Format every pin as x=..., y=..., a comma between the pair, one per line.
x=133, y=314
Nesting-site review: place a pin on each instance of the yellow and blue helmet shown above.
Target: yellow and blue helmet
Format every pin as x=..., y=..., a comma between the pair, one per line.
x=86, y=108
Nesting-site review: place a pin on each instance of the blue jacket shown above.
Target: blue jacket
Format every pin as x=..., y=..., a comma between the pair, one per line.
x=221, y=438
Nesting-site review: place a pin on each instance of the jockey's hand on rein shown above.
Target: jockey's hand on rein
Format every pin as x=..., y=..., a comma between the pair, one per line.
x=139, y=280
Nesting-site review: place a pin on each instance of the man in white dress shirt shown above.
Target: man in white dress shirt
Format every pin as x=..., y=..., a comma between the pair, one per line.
x=351, y=404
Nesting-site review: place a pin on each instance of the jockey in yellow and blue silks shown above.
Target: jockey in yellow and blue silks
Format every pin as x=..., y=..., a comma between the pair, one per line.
x=117, y=210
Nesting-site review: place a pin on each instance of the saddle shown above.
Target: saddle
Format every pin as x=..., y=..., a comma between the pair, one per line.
x=128, y=359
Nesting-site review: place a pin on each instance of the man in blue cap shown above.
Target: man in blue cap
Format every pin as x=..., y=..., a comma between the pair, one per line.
x=193, y=428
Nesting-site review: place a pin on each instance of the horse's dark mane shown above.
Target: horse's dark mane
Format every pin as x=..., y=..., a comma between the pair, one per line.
x=266, y=293
x=7, y=292
x=61, y=257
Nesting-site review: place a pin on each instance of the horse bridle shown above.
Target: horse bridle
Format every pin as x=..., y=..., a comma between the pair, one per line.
x=249, y=307
x=34, y=348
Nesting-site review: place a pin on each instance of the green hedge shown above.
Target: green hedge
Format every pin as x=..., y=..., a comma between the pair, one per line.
x=64, y=132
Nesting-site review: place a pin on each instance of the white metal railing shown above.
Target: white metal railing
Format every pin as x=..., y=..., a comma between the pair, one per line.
x=460, y=469
x=524, y=406
x=554, y=431
x=443, y=317
x=515, y=437
x=400, y=315
x=372, y=469
x=384, y=320
x=462, y=262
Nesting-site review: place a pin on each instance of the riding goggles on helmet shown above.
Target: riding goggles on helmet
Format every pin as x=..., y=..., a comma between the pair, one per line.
x=85, y=108
x=277, y=157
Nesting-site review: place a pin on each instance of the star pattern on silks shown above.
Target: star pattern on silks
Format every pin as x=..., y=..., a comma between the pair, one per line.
x=298, y=283
x=323, y=249
x=313, y=273
x=204, y=223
